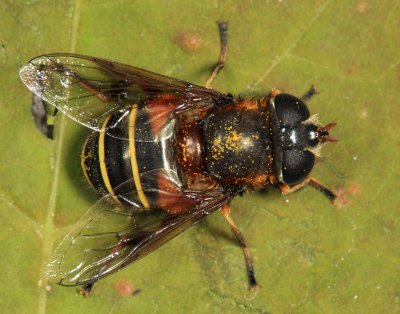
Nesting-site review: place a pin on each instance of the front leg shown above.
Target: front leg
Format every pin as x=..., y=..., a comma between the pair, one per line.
x=310, y=93
x=223, y=34
x=285, y=189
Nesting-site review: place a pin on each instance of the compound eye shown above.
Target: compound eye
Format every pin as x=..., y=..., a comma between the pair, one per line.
x=290, y=110
x=296, y=166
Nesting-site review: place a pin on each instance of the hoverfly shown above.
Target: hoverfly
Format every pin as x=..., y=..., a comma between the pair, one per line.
x=165, y=153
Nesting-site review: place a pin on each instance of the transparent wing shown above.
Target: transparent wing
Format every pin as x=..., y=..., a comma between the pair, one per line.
x=109, y=238
x=89, y=89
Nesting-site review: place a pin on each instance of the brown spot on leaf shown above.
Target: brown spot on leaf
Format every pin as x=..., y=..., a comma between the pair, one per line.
x=350, y=70
x=354, y=188
x=362, y=7
x=188, y=42
x=125, y=288
x=344, y=194
x=342, y=198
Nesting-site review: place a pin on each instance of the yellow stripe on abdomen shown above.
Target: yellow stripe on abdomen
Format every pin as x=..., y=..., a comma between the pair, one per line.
x=102, y=161
x=132, y=151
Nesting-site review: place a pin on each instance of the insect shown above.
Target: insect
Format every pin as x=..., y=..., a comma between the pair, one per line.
x=165, y=153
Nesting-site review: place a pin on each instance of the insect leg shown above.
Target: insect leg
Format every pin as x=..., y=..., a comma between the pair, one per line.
x=225, y=211
x=86, y=290
x=223, y=35
x=312, y=182
x=39, y=113
x=310, y=93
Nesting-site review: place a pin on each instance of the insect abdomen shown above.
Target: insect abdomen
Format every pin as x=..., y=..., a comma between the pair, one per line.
x=106, y=160
x=135, y=162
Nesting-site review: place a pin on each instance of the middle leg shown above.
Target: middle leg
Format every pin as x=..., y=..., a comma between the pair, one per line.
x=225, y=211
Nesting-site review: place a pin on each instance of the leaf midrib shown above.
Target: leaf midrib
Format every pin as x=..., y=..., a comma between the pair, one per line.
x=51, y=208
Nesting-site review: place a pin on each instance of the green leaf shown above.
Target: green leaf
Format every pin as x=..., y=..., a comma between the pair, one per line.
x=309, y=255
